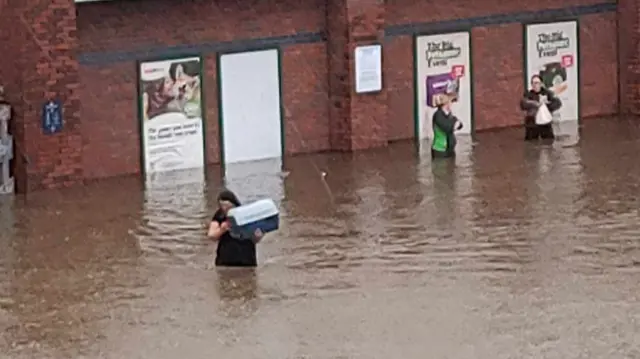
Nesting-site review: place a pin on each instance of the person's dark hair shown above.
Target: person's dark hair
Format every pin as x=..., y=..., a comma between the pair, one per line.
x=226, y=195
x=537, y=77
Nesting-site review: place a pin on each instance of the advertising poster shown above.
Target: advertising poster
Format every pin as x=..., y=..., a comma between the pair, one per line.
x=443, y=70
x=171, y=114
x=552, y=53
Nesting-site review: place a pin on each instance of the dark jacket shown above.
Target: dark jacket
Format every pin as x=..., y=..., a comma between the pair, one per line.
x=530, y=103
x=444, y=139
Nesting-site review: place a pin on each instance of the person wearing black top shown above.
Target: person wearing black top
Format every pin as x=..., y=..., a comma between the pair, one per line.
x=444, y=125
x=231, y=252
x=530, y=102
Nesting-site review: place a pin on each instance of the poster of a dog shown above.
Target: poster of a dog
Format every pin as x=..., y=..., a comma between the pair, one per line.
x=169, y=87
x=171, y=114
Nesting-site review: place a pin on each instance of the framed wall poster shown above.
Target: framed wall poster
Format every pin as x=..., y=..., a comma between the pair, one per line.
x=171, y=115
x=368, y=68
x=551, y=51
x=443, y=68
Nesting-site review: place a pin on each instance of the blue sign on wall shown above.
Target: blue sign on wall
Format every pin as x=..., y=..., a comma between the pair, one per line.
x=52, y=117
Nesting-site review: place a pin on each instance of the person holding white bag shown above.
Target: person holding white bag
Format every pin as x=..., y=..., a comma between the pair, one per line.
x=539, y=103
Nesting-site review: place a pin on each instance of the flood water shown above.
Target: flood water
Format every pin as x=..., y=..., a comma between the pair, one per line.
x=516, y=251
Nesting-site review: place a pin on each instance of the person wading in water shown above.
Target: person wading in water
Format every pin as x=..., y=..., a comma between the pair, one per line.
x=531, y=102
x=231, y=252
x=444, y=126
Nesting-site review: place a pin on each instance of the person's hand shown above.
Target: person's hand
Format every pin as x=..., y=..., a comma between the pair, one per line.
x=258, y=235
x=224, y=226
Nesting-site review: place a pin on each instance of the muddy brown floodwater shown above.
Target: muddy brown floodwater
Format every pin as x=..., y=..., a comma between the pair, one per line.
x=517, y=251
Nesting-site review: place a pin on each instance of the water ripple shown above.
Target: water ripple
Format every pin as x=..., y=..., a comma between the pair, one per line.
x=514, y=251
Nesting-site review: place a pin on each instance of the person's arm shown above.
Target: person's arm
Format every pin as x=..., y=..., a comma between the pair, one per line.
x=444, y=122
x=457, y=124
x=217, y=227
x=554, y=102
x=216, y=230
x=527, y=104
x=257, y=236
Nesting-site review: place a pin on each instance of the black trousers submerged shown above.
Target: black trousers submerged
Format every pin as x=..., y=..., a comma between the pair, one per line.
x=439, y=154
x=534, y=132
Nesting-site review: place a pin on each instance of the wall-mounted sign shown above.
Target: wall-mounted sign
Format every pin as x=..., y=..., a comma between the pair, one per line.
x=368, y=68
x=52, y=121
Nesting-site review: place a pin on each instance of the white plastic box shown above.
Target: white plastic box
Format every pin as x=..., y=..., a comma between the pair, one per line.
x=245, y=220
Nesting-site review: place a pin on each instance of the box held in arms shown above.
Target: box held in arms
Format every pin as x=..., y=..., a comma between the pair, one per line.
x=245, y=220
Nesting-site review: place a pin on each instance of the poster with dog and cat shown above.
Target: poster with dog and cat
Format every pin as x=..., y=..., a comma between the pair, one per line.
x=171, y=115
x=552, y=53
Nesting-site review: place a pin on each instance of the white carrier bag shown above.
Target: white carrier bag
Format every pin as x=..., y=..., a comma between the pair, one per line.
x=543, y=116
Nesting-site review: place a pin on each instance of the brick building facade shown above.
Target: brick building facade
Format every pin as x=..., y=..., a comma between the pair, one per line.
x=86, y=55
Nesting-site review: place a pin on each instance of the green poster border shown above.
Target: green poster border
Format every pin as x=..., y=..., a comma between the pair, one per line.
x=525, y=56
x=221, y=139
x=203, y=112
x=417, y=83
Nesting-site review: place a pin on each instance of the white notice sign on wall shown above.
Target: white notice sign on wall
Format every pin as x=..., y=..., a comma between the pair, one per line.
x=368, y=69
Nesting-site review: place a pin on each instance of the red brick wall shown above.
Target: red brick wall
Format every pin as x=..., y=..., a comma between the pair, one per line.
x=109, y=107
x=498, y=49
x=498, y=75
x=398, y=78
x=39, y=46
x=210, y=89
x=109, y=120
x=628, y=12
x=599, y=65
x=305, y=95
x=357, y=121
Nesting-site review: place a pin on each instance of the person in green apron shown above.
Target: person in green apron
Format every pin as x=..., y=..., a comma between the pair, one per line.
x=444, y=126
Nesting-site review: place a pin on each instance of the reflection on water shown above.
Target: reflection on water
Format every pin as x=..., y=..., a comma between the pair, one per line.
x=512, y=250
x=174, y=215
x=256, y=179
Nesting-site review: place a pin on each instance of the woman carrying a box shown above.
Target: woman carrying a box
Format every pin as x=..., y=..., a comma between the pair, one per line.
x=231, y=252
